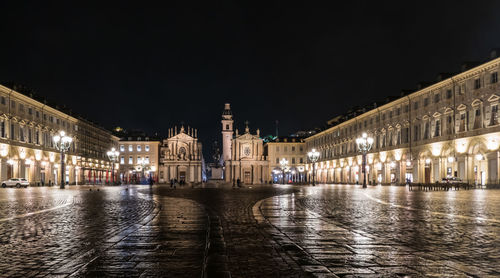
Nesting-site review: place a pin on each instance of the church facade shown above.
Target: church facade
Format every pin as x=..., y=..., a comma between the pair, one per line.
x=243, y=154
x=181, y=156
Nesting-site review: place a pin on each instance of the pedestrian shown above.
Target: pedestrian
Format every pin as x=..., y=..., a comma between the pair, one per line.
x=151, y=182
x=238, y=182
x=233, y=183
x=171, y=183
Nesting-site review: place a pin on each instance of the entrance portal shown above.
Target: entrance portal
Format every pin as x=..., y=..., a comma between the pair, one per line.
x=427, y=173
x=247, y=178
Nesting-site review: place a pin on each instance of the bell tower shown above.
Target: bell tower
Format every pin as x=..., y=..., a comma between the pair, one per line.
x=227, y=131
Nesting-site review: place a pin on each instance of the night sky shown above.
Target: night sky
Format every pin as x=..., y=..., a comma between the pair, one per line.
x=151, y=67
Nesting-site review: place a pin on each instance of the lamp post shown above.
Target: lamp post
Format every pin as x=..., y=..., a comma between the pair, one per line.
x=113, y=156
x=364, y=145
x=284, y=164
x=313, y=156
x=143, y=164
x=62, y=142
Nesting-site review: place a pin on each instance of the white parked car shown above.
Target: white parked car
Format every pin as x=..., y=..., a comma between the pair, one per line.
x=17, y=182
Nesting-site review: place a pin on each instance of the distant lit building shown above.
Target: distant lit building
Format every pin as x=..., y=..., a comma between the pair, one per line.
x=181, y=156
x=294, y=151
x=136, y=153
x=450, y=128
x=243, y=154
x=27, y=150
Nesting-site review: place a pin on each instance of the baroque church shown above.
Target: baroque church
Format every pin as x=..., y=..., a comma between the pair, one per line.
x=243, y=154
x=181, y=156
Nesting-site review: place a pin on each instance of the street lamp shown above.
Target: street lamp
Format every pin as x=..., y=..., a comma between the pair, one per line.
x=62, y=142
x=364, y=145
x=313, y=156
x=113, y=156
x=284, y=164
x=143, y=164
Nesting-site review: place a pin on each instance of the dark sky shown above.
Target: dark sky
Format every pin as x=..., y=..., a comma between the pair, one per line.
x=151, y=67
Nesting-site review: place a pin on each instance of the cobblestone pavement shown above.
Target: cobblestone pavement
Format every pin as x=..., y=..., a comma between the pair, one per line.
x=240, y=246
x=385, y=231
x=258, y=231
x=48, y=232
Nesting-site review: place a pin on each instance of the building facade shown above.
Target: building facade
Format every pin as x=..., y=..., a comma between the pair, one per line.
x=27, y=150
x=243, y=154
x=450, y=128
x=293, y=151
x=181, y=156
x=139, y=159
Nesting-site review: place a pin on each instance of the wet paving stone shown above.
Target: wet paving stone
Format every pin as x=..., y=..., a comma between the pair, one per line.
x=390, y=232
x=112, y=232
x=263, y=231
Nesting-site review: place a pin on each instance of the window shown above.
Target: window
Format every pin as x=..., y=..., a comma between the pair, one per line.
x=426, y=101
x=437, y=130
x=122, y=148
x=301, y=160
x=122, y=160
x=493, y=116
x=130, y=160
x=426, y=130
x=130, y=148
x=2, y=129
x=285, y=149
x=21, y=134
x=139, y=148
x=21, y=107
x=44, y=117
x=436, y=98
x=493, y=79
x=477, y=83
x=415, y=105
x=37, y=137
x=2, y=100
x=448, y=94
x=227, y=127
x=12, y=104
x=30, y=139
x=277, y=160
x=30, y=111
x=293, y=148
x=58, y=122
x=146, y=148
x=390, y=115
x=37, y=114
x=301, y=149
x=398, y=111
x=293, y=160
x=147, y=159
